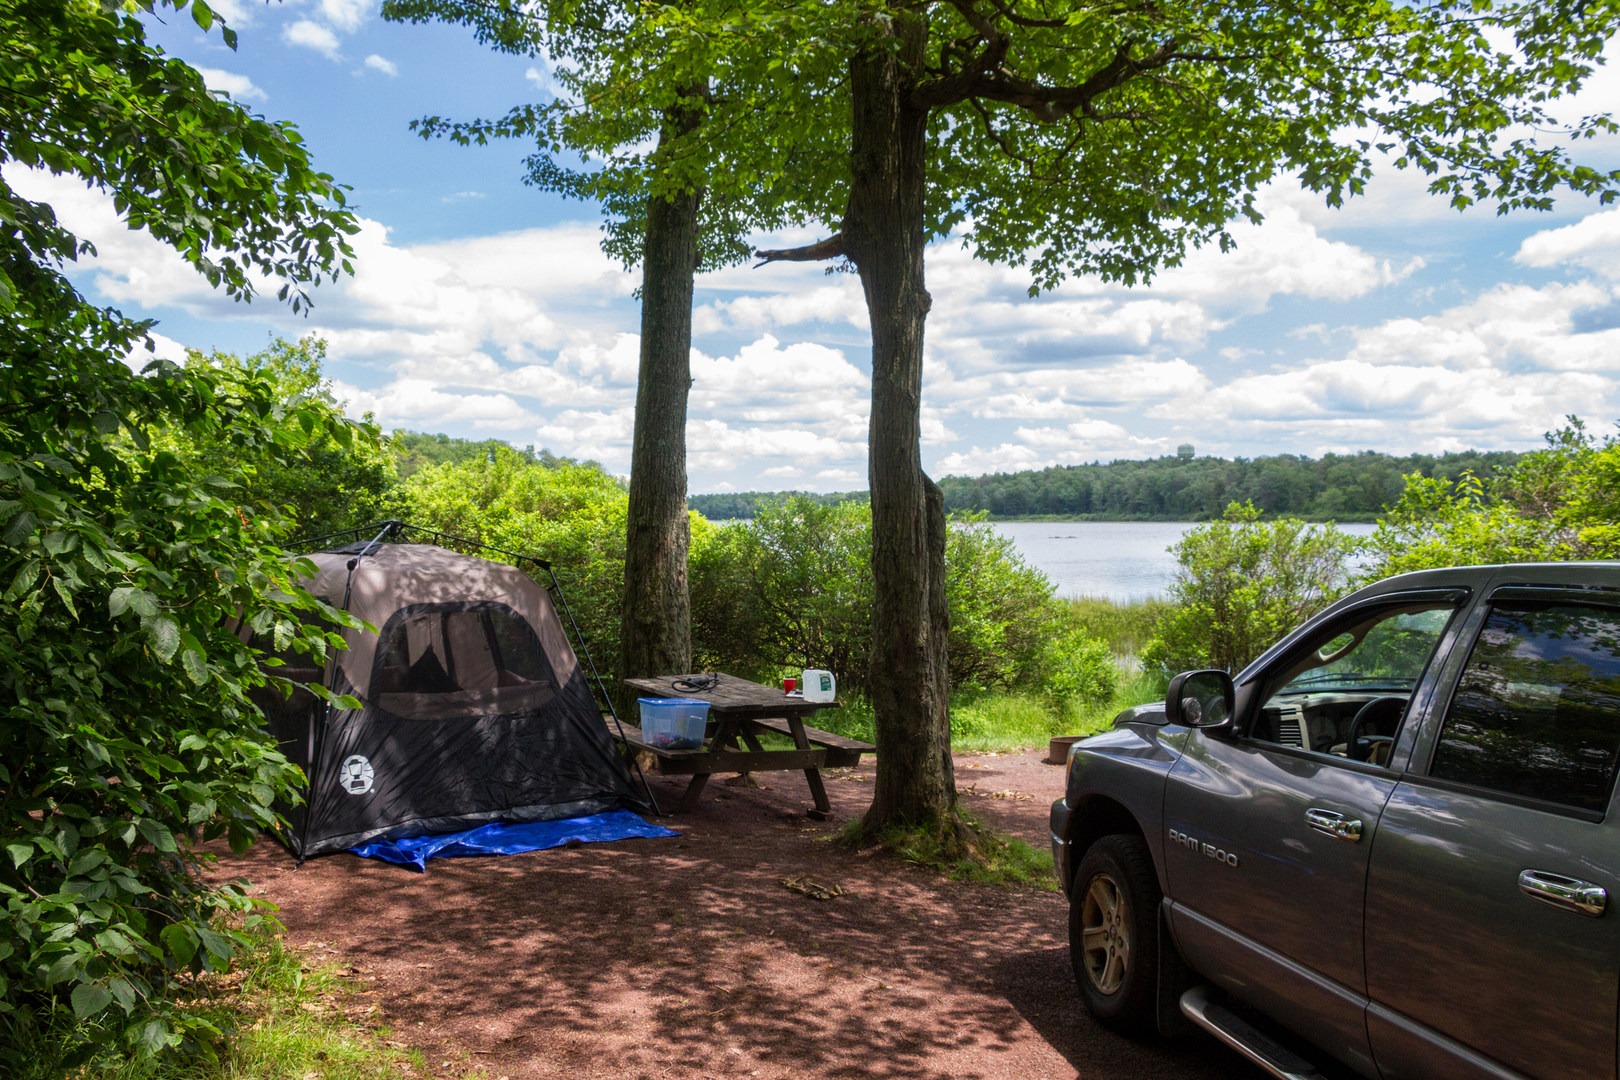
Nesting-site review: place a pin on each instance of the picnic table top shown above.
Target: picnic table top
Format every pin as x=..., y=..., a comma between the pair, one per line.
x=731, y=695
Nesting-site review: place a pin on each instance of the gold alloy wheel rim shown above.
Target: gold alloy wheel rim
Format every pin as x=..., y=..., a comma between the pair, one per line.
x=1105, y=941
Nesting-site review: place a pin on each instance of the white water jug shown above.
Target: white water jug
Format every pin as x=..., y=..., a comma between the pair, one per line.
x=818, y=685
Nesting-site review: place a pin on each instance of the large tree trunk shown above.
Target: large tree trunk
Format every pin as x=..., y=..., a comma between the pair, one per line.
x=883, y=235
x=655, y=628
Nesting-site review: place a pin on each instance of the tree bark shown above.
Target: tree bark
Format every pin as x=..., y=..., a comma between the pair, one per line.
x=884, y=237
x=655, y=627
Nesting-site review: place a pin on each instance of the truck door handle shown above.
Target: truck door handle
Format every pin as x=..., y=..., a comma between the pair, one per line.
x=1568, y=893
x=1334, y=824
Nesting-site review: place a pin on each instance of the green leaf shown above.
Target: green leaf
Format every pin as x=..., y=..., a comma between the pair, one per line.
x=65, y=592
x=27, y=574
x=123, y=993
x=195, y=666
x=154, y=1036
x=20, y=853
x=21, y=528
x=157, y=834
x=89, y=999
x=181, y=941
x=217, y=947
x=63, y=967
x=163, y=635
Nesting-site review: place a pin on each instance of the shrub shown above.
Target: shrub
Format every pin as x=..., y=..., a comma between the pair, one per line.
x=1438, y=522
x=1003, y=617
x=126, y=733
x=570, y=514
x=793, y=589
x=790, y=589
x=1078, y=668
x=1242, y=584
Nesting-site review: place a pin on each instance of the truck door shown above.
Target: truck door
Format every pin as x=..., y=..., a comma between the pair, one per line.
x=1268, y=832
x=1492, y=938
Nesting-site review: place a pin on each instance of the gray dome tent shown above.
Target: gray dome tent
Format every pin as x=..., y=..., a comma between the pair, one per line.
x=474, y=705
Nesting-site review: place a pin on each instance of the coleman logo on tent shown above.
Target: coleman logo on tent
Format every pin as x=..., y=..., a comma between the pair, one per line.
x=356, y=775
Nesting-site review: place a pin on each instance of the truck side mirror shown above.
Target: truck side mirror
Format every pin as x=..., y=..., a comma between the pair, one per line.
x=1200, y=699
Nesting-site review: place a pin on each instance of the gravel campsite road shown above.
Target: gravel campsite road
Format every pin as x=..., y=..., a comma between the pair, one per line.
x=711, y=955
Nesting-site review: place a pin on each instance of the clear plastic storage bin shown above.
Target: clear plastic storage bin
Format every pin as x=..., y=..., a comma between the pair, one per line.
x=673, y=723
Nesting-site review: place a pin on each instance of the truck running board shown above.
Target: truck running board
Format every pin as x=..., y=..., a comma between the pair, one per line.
x=1244, y=1037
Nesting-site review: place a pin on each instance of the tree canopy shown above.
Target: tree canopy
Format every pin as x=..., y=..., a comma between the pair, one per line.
x=1110, y=139
x=1103, y=138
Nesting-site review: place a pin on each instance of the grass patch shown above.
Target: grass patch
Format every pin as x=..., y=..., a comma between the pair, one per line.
x=282, y=1019
x=998, y=721
x=1125, y=627
x=992, y=721
x=970, y=852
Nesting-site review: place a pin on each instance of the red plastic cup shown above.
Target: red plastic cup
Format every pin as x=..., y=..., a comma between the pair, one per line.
x=788, y=685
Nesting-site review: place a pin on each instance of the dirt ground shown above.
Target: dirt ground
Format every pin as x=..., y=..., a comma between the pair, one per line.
x=710, y=955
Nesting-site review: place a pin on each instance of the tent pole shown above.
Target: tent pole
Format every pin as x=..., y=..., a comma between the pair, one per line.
x=585, y=651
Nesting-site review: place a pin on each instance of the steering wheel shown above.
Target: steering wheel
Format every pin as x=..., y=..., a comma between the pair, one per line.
x=1374, y=716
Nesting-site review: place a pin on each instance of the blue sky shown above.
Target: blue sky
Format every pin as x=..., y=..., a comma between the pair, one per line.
x=484, y=308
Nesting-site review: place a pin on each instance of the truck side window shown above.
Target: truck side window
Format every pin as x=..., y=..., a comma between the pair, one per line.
x=1537, y=710
x=1344, y=690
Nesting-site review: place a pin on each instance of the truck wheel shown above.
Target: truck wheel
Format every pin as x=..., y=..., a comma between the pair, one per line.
x=1114, y=932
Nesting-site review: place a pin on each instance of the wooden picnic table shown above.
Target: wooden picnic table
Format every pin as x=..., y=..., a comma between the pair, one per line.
x=743, y=710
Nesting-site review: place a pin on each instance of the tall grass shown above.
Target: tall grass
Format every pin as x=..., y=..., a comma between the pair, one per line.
x=1125, y=627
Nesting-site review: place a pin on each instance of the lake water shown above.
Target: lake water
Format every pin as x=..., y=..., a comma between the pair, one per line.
x=1120, y=560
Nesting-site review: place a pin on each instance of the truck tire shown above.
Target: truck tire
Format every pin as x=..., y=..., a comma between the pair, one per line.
x=1114, y=932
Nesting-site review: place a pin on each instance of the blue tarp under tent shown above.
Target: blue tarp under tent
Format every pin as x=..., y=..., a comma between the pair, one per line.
x=503, y=839
x=474, y=707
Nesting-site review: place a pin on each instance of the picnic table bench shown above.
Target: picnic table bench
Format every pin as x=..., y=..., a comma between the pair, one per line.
x=741, y=711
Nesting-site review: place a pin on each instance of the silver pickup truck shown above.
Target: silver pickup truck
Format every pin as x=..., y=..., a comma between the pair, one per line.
x=1391, y=839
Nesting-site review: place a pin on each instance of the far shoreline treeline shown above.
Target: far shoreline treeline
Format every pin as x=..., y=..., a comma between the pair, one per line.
x=1338, y=487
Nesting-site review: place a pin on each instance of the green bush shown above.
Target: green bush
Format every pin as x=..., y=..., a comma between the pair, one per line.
x=330, y=484
x=793, y=589
x=1242, y=584
x=1078, y=668
x=126, y=733
x=1439, y=523
x=1004, y=620
x=569, y=514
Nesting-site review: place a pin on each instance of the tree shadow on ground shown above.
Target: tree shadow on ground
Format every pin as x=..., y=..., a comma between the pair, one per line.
x=701, y=956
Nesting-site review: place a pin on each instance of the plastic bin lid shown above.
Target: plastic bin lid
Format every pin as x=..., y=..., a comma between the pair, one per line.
x=670, y=701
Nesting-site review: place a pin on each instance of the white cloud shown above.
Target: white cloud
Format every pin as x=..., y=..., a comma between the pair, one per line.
x=1395, y=406
x=382, y=64
x=415, y=402
x=305, y=34
x=1286, y=255
x=543, y=77
x=1593, y=242
x=237, y=87
x=346, y=15
x=236, y=13
x=1509, y=326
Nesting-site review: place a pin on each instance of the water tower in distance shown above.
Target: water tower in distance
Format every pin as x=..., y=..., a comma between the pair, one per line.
x=1185, y=451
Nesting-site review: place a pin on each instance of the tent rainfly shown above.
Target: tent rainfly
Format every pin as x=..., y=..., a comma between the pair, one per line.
x=474, y=706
